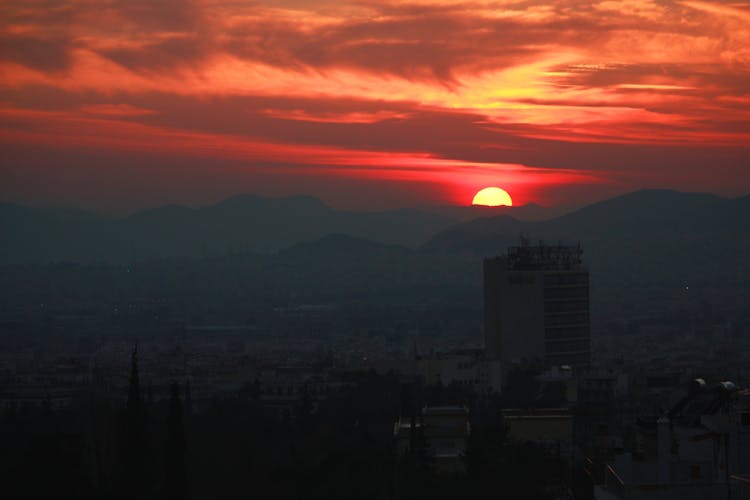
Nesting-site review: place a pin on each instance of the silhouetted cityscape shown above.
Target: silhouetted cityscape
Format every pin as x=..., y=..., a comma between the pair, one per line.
x=377, y=250
x=347, y=368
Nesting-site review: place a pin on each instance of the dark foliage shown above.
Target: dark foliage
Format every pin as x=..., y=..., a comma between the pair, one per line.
x=340, y=447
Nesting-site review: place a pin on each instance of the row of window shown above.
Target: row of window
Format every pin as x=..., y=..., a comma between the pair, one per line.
x=521, y=279
x=566, y=319
x=567, y=306
x=566, y=279
x=567, y=346
x=566, y=332
x=577, y=292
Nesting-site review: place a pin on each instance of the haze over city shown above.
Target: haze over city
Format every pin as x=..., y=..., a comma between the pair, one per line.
x=379, y=250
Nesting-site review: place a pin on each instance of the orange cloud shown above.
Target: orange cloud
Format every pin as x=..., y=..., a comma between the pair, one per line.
x=115, y=110
x=71, y=131
x=332, y=117
x=508, y=76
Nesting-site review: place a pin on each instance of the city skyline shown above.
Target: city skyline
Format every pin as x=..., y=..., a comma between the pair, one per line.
x=375, y=249
x=371, y=105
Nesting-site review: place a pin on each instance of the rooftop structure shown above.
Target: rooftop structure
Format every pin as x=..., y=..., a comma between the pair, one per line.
x=544, y=257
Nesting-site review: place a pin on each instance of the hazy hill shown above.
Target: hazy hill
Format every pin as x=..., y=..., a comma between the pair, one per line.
x=648, y=250
x=528, y=212
x=638, y=220
x=40, y=235
x=660, y=243
x=238, y=224
x=333, y=269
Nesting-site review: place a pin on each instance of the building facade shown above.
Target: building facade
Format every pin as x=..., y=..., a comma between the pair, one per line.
x=536, y=306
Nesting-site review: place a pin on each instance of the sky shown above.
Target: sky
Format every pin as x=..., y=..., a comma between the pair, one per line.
x=116, y=105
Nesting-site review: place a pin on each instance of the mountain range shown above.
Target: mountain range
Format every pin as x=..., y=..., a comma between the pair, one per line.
x=647, y=251
x=644, y=249
x=238, y=224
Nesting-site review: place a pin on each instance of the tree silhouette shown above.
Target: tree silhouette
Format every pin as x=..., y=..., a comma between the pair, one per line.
x=134, y=403
x=134, y=433
x=188, y=399
x=175, y=480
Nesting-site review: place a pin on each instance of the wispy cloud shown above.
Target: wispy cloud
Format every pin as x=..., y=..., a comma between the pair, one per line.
x=456, y=81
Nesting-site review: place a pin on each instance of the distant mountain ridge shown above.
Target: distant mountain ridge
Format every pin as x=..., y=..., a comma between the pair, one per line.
x=528, y=212
x=644, y=235
x=654, y=242
x=632, y=215
x=241, y=223
x=648, y=252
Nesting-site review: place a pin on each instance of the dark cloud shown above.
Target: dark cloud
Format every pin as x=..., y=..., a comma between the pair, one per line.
x=160, y=55
x=655, y=91
x=38, y=53
x=170, y=15
x=428, y=46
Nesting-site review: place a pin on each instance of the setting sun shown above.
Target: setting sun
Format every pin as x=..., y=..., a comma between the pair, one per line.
x=492, y=197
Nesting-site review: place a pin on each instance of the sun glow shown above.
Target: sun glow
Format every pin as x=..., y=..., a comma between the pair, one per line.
x=492, y=197
x=441, y=96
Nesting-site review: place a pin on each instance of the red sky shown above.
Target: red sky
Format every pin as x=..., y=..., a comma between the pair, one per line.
x=118, y=105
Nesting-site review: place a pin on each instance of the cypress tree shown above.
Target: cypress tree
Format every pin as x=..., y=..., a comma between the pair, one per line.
x=134, y=387
x=175, y=481
x=188, y=399
x=134, y=433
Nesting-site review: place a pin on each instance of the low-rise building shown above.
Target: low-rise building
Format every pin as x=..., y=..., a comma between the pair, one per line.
x=443, y=431
x=698, y=449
